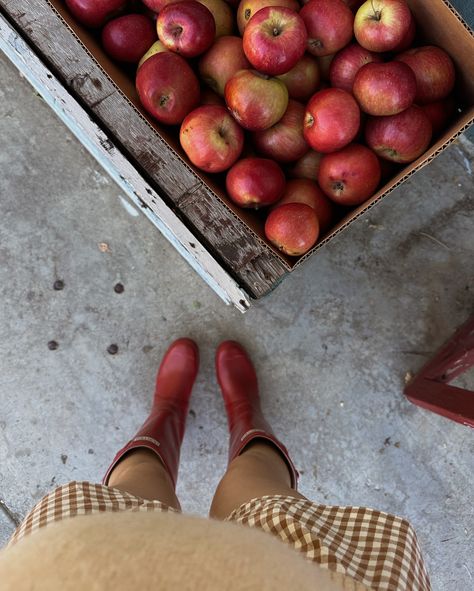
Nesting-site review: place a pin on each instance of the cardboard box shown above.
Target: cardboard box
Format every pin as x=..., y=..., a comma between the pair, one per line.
x=234, y=236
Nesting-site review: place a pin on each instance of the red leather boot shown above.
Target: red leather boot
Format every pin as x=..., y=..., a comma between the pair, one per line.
x=238, y=382
x=163, y=430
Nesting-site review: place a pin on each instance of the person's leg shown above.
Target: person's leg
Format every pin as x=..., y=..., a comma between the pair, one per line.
x=258, y=471
x=148, y=465
x=259, y=463
x=141, y=473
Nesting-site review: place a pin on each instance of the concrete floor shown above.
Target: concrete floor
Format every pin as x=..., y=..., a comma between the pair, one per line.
x=332, y=344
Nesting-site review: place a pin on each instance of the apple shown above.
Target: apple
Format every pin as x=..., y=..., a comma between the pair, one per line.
x=332, y=120
x=284, y=141
x=408, y=39
x=303, y=79
x=434, y=72
x=167, y=87
x=329, y=25
x=351, y=175
x=128, y=37
x=223, y=16
x=347, y=63
x=209, y=97
x=256, y=101
x=157, y=47
x=440, y=114
x=255, y=182
x=293, y=228
x=384, y=89
x=308, y=192
x=94, y=14
x=211, y=138
x=274, y=40
x=186, y=27
x=247, y=8
x=157, y=5
x=224, y=59
x=382, y=25
x=399, y=138
x=307, y=166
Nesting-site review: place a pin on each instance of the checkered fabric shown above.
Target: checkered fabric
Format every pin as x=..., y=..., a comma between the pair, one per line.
x=378, y=550
x=375, y=548
x=81, y=498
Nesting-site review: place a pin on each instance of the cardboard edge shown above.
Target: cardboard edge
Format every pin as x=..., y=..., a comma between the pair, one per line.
x=423, y=161
x=458, y=15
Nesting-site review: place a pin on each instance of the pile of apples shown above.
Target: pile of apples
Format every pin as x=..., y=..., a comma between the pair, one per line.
x=298, y=114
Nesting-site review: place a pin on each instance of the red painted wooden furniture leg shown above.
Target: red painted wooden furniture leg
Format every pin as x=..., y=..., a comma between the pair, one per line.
x=430, y=388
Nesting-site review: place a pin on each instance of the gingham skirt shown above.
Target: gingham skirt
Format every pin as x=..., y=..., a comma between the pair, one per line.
x=375, y=548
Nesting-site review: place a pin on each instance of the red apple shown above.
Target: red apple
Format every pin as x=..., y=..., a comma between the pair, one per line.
x=284, y=141
x=157, y=5
x=211, y=138
x=384, y=89
x=440, y=114
x=274, y=40
x=399, y=138
x=94, y=14
x=223, y=16
x=329, y=25
x=224, y=59
x=434, y=72
x=308, y=192
x=407, y=41
x=128, y=37
x=324, y=64
x=167, y=87
x=332, y=120
x=157, y=47
x=256, y=101
x=255, y=182
x=247, y=8
x=347, y=63
x=186, y=27
x=307, y=166
x=302, y=80
x=349, y=176
x=209, y=97
x=293, y=228
x=382, y=25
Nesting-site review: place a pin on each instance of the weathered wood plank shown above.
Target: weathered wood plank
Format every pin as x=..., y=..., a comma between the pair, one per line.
x=117, y=165
x=247, y=258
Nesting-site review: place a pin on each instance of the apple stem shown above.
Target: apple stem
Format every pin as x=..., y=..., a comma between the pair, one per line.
x=316, y=43
x=177, y=30
x=377, y=13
